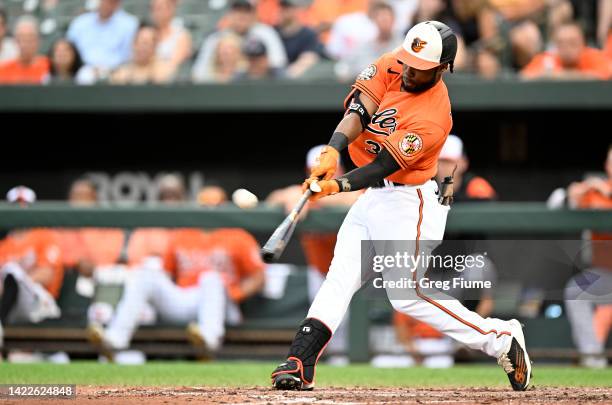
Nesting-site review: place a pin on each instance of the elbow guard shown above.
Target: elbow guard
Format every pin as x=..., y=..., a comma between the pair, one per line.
x=357, y=107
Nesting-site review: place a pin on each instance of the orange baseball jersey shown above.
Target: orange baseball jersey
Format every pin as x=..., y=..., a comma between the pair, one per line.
x=601, y=251
x=145, y=242
x=411, y=126
x=35, y=248
x=101, y=246
x=318, y=249
x=232, y=252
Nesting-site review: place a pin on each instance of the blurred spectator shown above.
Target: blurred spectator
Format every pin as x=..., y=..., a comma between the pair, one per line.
x=593, y=286
x=205, y=275
x=467, y=185
x=67, y=65
x=212, y=196
x=571, y=58
x=323, y=13
x=258, y=65
x=174, y=41
x=438, y=10
x=352, y=30
x=385, y=41
x=29, y=67
x=301, y=43
x=513, y=26
x=8, y=47
x=171, y=189
x=31, y=271
x=604, y=23
x=269, y=11
x=241, y=20
x=145, y=67
x=104, y=37
x=228, y=59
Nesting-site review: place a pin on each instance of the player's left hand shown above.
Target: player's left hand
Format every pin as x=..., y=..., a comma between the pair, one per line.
x=328, y=187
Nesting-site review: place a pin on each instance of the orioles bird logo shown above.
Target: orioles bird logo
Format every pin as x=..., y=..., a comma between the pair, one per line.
x=418, y=44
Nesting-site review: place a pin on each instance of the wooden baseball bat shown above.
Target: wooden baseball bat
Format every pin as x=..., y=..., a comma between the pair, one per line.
x=275, y=246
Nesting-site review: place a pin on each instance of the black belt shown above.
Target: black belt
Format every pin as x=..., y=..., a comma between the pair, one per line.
x=383, y=184
x=388, y=183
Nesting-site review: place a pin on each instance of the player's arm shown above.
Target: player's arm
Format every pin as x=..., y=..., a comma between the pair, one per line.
x=248, y=286
x=359, y=110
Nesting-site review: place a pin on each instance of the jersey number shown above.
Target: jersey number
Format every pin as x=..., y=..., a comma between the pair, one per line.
x=373, y=147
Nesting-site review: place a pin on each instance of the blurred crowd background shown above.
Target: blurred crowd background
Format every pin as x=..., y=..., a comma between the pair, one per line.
x=222, y=41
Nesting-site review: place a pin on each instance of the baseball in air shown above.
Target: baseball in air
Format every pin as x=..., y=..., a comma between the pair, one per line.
x=243, y=198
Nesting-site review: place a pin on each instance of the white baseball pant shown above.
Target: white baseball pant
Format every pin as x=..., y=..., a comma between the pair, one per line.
x=407, y=213
x=34, y=303
x=205, y=303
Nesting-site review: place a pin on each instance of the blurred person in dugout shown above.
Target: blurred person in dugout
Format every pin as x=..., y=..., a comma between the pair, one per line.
x=588, y=295
x=212, y=196
x=104, y=37
x=570, y=58
x=96, y=252
x=318, y=247
x=31, y=271
x=185, y=276
x=241, y=20
x=8, y=46
x=174, y=43
x=205, y=276
x=29, y=67
x=145, y=66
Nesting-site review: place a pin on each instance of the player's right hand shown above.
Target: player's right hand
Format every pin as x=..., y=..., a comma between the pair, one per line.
x=328, y=164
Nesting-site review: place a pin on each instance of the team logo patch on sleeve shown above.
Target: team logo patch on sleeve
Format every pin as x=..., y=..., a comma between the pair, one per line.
x=410, y=144
x=367, y=73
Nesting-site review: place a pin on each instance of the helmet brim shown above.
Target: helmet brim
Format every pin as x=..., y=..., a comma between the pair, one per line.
x=414, y=62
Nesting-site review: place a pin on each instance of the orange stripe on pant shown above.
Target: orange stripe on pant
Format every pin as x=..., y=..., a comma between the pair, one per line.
x=419, y=294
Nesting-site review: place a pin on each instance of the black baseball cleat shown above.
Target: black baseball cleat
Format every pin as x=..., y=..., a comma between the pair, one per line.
x=290, y=376
x=515, y=361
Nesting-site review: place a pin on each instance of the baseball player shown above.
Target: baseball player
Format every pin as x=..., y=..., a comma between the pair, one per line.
x=31, y=270
x=398, y=117
x=204, y=276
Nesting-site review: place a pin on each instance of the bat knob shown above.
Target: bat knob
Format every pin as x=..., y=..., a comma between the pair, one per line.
x=314, y=187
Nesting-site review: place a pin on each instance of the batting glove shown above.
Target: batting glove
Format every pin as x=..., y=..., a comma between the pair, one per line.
x=328, y=187
x=328, y=164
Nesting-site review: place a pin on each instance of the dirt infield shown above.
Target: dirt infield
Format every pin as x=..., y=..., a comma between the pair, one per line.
x=260, y=395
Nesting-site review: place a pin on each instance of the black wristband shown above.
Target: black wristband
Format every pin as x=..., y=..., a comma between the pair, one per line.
x=344, y=186
x=338, y=141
